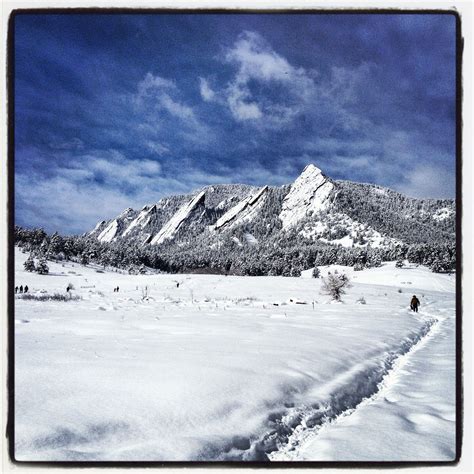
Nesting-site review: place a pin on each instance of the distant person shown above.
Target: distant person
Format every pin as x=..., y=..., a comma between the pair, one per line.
x=177, y=285
x=117, y=289
x=16, y=290
x=21, y=288
x=68, y=288
x=26, y=289
x=414, y=303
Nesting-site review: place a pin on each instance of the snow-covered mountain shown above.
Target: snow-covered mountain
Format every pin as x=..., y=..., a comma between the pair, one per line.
x=242, y=212
x=308, y=195
x=314, y=207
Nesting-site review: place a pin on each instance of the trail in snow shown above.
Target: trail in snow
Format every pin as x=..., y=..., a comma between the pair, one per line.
x=336, y=437
x=359, y=385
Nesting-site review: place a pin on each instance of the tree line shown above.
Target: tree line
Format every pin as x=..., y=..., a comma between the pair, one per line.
x=285, y=254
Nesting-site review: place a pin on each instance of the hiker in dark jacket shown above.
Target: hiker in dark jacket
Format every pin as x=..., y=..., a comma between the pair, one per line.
x=16, y=289
x=414, y=303
x=26, y=289
x=21, y=288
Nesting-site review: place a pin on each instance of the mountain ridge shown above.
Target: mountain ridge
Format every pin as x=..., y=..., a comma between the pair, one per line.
x=338, y=212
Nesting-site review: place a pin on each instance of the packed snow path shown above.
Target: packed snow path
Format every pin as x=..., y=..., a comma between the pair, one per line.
x=230, y=367
x=410, y=406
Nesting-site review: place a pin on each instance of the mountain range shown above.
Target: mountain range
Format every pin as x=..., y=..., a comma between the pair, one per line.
x=314, y=207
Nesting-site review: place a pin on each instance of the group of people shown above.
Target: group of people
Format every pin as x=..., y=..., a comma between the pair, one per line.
x=20, y=289
x=116, y=289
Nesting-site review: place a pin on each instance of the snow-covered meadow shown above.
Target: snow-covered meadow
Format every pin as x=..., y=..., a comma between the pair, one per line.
x=234, y=368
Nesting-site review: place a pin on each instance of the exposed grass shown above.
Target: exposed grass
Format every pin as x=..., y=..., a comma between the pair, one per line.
x=49, y=297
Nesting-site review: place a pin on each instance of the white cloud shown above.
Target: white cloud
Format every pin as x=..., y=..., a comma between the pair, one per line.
x=157, y=92
x=268, y=91
x=239, y=105
x=157, y=148
x=207, y=93
x=257, y=62
x=159, y=102
x=426, y=181
x=92, y=188
x=151, y=82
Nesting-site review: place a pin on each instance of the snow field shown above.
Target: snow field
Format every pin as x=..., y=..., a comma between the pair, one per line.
x=219, y=368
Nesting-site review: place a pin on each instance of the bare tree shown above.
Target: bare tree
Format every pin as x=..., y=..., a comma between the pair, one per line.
x=335, y=285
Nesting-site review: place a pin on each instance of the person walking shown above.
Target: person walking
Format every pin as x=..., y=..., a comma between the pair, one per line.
x=414, y=303
x=21, y=288
x=26, y=289
x=16, y=290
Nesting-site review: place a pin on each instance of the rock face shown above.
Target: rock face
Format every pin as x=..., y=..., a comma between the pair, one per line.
x=309, y=194
x=171, y=227
x=115, y=227
x=142, y=220
x=245, y=210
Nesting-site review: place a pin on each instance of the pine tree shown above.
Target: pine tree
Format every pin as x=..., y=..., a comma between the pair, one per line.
x=84, y=258
x=42, y=267
x=29, y=264
x=55, y=244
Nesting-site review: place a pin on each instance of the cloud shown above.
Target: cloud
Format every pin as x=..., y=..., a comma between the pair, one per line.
x=156, y=92
x=157, y=148
x=428, y=182
x=160, y=107
x=207, y=93
x=256, y=60
x=239, y=104
x=268, y=91
x=112, y=168
x=284, y=89
x=84, y=189
x=73, y=144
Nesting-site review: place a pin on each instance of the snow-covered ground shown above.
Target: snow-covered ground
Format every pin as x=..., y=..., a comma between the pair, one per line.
x=234, y=367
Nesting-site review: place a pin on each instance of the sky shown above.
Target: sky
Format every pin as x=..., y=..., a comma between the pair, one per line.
x=117, y=111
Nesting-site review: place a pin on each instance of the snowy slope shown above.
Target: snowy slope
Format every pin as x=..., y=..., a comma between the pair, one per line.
x=98, y=228
x=339, y=229
x=142, y=220
x=109, y=233
x=243, y=211
x=113, y=229
x=308, y=194
x=171, y=227
x=222, y=367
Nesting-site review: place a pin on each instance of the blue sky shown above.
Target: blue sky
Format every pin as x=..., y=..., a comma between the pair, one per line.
x=113, y=111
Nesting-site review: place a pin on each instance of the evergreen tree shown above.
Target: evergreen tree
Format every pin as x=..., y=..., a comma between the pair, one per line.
x=84, y=259
x=42, y=267
x=29, y=264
